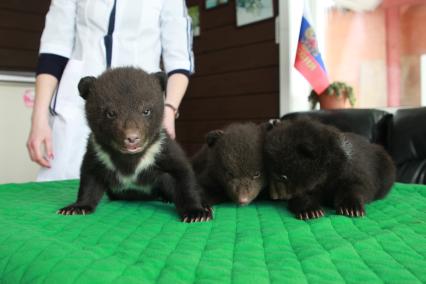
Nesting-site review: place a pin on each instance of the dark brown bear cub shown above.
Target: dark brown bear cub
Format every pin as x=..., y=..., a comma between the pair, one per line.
x=312, y=165
x=129, y=155
x=230, y=166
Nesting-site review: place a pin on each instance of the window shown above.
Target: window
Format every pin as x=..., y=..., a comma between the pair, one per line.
x=379, y=49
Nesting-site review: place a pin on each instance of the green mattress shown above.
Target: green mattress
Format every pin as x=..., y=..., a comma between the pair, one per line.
x=144, y=242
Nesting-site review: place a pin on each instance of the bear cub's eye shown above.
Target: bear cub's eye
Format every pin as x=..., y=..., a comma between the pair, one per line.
x=256, y=175
x=229, y=174
x=147, y=112
x=110, y=114
x=283, y=177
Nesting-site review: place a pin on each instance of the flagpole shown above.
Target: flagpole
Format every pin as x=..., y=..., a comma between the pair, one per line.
x=285, y=66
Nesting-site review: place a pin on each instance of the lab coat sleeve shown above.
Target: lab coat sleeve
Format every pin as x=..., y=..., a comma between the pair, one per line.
x=176, y=38
x=51, y=64
x=59, y=29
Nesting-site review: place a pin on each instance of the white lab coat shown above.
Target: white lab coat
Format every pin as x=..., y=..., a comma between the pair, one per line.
x=144, y=31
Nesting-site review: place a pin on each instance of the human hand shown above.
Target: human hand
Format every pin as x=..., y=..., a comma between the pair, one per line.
x=169, y=122
x=40, y=142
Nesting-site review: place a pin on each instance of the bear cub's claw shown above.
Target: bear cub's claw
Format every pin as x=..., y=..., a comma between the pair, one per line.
x=351, y=207
x=310, y=214
x=75, y=210
x=351, y=211
x=192, y=216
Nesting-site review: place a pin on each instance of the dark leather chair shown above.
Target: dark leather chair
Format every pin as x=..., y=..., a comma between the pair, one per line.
x=407, y=144
x=402, y=134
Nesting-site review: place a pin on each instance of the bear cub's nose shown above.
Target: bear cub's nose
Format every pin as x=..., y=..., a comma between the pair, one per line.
x=243, y=200
x=132, y=139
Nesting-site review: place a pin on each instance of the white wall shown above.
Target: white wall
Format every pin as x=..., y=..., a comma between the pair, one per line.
x=15, y=165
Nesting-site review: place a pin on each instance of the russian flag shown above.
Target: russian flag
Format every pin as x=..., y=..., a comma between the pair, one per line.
x=308, y=58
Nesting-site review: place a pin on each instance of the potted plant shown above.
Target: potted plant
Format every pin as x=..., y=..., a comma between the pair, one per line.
x=335, y=96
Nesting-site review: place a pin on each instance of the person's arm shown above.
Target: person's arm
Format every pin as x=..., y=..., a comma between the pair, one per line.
x=39, y=140
x=56, y=45
x=176, y=42
x=176, y=88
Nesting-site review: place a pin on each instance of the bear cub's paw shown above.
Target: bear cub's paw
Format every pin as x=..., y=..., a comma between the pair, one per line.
x=76, y=209
x=351, y=207
x=196, y=215
x=310, y=213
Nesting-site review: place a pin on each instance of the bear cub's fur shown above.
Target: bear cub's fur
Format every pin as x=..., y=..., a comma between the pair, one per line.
x=129, y=155
x=311, y=165
x=230, y=165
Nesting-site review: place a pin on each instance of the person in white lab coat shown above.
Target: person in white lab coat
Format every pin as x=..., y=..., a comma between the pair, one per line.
x=84, y=38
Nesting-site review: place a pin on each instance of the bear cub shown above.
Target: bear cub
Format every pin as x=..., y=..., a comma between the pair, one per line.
x=129, y=155
x=230, y=165
x=311, y=165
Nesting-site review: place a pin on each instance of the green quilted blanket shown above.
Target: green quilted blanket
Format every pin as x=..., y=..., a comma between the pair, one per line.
x=143, y=242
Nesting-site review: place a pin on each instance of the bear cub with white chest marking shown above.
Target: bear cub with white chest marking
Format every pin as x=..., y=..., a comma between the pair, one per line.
x=129, y=155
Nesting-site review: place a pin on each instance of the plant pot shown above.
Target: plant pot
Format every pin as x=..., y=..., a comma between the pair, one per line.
x=332, y=102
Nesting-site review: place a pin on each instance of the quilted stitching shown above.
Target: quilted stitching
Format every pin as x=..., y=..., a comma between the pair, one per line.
x=144, y=242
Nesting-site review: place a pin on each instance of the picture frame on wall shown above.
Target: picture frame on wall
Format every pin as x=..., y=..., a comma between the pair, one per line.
x=210, y=4
x=194, y=13
x=251, y=11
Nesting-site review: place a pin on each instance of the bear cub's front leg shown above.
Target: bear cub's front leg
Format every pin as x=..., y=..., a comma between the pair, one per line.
x=90, y=193
x=306, y=207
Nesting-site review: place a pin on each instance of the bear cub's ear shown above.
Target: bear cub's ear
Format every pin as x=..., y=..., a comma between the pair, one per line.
x=84, y=86
x=213, y=136
x=162, y=79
